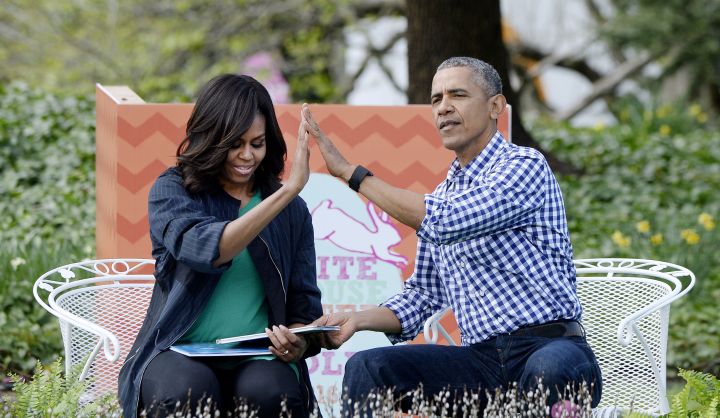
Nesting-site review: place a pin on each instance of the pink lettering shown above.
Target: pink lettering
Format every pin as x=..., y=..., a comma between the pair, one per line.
x=343, y=262
x=328, y=370
x=322, y=267
x=364, y=268
x=313, y=365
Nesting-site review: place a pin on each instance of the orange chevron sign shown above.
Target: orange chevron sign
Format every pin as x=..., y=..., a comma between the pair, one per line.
x=137, y=140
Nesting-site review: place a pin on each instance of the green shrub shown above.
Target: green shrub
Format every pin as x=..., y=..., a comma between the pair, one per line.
x=28, y=331
x=47, y=168
x=47, y=184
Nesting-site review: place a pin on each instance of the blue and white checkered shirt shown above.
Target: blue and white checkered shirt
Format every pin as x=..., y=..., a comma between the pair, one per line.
x=494, y=246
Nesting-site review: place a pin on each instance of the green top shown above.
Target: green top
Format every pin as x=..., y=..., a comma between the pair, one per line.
x=239, y=296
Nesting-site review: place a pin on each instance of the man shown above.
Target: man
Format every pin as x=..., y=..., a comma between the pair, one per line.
x=492, y=243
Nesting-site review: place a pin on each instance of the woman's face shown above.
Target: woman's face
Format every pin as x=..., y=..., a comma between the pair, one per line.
x=245, y=157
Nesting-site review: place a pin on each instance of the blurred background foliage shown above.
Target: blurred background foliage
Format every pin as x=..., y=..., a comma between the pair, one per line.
x=683, y=34
x=165, y=50
x=648, y=188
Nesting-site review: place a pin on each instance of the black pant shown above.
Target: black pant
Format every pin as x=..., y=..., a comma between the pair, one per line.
x=262, y=383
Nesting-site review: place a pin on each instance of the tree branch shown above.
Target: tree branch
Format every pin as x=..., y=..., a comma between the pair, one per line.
x=561, y=60
x=595, y=12
x=607, y=84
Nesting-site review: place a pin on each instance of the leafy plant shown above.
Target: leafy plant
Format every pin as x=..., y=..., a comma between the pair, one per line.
x=699, y=398
x=52, y=394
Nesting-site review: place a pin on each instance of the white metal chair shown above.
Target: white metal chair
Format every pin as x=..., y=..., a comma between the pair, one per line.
x=100, y=304
x=626, y=305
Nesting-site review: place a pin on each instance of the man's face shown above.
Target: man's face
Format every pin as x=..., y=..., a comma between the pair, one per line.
x=462, y=112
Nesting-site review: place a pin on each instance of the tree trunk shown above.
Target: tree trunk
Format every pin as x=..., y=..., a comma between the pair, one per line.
x=438, y=30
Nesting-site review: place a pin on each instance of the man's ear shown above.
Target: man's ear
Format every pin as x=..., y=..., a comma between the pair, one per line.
x=497, y=106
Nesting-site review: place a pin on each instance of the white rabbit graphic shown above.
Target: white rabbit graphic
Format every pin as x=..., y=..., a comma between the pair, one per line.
x=335, y=225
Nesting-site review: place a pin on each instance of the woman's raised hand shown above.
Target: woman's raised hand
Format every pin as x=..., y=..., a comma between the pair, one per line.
x=300, y=171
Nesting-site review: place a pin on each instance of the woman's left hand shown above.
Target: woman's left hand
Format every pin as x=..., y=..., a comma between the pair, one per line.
x=287, y=346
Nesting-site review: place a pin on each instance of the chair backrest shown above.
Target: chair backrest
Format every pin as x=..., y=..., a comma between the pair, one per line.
x=100, y=304
x=626, y=304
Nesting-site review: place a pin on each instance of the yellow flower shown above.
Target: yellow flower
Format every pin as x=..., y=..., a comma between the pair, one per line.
x=643, y=227
x=704, y=217
x=690, y=236
x=707, y=221
x=695, y=110
x=702, y=117
x=663, y=111
x=656, y=239
x=665, y=130
x=621, y=240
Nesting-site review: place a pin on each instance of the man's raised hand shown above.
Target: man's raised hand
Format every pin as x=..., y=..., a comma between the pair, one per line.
x=336, y=164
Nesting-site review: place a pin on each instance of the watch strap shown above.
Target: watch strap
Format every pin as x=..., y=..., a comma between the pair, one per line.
x=358, y=176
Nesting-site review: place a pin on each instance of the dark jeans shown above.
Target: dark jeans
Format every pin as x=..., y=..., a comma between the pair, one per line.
x=492, y=364
x=263, y=383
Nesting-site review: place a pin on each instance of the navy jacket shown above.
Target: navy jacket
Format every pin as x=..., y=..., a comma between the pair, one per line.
x=185, y=231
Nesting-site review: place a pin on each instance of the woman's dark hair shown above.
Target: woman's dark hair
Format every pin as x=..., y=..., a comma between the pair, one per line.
x=226, y=107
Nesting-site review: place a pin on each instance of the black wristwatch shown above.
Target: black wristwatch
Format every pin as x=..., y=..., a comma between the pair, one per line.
x=358, y=176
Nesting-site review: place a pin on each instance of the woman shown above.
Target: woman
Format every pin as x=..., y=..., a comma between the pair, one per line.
x=234, y=255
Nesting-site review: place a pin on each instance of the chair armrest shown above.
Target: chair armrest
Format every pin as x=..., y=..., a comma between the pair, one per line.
x=110, y=343
x=628, y=326
x=432, y=328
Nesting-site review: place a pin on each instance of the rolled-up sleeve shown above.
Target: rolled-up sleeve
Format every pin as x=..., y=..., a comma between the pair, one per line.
x=423, y=294
x=183, y=226
x=504, y=198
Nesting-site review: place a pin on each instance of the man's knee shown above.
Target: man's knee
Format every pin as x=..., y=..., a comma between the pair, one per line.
x=366, y=371
x=360, y=363
x=563, y=369
x=376, y=363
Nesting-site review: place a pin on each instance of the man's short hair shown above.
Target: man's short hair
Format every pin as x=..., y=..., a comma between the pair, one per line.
x=484, y=74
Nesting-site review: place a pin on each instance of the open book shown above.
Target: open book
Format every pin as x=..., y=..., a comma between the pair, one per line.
x=262, y=339
x=217, y=350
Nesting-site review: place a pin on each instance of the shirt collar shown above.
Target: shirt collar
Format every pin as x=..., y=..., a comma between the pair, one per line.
x=482, y=160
